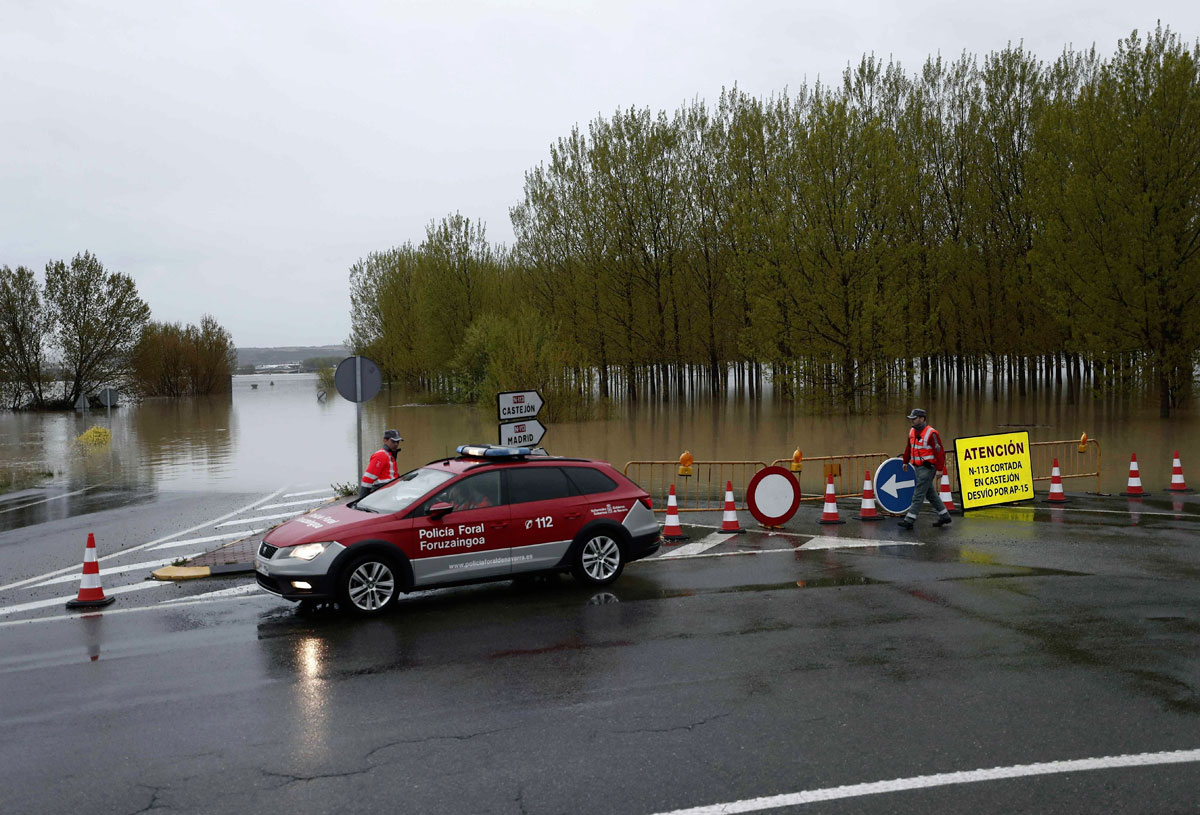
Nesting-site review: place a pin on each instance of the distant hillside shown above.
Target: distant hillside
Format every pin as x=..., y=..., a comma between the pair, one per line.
x=289, y=353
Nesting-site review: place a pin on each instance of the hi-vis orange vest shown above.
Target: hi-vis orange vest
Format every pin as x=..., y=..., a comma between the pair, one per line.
x=922, y=449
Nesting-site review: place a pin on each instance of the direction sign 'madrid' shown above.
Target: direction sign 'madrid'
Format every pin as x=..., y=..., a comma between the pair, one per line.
x=894, y=486
x=516, y=411
x=994, y=469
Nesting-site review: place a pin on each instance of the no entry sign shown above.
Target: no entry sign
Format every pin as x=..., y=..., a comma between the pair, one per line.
x=773, y=496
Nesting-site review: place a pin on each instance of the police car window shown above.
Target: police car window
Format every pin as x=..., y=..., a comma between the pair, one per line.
x=473, y=492
x=589, y=481
x=404, y=491
x=537, y=484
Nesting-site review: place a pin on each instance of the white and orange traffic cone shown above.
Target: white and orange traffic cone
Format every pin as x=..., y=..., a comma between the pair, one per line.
x=1134, y=489
x=729, y=522
x=1057, y=496
x=90, y=594
x=1177, y=482
x=867, y=512
x=944, y=492
x=830, y=513
x=672, y=531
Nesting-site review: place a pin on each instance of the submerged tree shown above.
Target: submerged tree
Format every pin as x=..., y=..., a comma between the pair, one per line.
x=24, y=329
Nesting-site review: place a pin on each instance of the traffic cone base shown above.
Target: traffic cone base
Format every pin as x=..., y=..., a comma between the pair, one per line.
x=1134, y=487
x=90, y=595
x=830, y=513
x=868, y=512
x=672, y=531
x=729, y=521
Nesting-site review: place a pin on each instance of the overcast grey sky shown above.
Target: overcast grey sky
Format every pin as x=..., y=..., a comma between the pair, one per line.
x=237, y=158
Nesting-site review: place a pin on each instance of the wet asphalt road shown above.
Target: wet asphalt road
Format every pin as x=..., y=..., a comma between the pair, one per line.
x=754, y=668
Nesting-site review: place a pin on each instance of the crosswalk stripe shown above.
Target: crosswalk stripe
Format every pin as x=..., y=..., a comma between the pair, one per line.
x=306, y=492
x=259, y=518
x=321, y=499
x=228, y=536
x=705, y=543
x=107, y=572
x=60, y=601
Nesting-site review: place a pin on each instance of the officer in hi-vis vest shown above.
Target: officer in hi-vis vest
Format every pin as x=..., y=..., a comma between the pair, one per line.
x=928, y=458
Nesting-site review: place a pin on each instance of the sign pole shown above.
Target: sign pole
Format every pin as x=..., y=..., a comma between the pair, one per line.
x=358, y=413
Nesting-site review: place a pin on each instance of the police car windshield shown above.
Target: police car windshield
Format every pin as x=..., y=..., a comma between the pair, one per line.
x=401, y=493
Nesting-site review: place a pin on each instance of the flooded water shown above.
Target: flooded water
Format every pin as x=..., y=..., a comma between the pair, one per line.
x=273, y=430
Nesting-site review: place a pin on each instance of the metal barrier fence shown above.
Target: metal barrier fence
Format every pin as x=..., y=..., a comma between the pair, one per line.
x=847, y=472
x=704, y=489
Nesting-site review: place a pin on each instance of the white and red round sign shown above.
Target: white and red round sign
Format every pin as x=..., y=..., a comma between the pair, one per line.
x=773, y=496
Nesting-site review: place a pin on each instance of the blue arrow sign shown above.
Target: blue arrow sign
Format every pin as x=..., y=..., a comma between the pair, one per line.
x=894, y=486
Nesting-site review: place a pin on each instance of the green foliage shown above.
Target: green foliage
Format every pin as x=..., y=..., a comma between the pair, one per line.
x=174, y=360
x=24, y=328
x=982, y=212
x=97, y=317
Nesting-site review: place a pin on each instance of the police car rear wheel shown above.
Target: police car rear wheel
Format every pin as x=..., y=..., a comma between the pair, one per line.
x=600, y=560
x=368, y=585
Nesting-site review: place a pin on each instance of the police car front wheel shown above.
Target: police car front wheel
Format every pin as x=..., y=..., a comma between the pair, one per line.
x=600, y=560
x=368, y=585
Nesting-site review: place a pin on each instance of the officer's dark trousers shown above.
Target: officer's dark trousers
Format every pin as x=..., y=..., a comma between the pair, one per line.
x=926, y=488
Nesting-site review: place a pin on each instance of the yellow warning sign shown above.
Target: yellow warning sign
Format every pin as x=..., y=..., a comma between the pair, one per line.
x=994, y=469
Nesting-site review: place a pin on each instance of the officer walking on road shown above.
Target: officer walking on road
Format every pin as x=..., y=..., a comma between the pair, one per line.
x=382, y=466
x=928, y=457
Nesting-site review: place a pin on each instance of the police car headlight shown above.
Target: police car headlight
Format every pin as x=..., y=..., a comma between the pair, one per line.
x=308, y=551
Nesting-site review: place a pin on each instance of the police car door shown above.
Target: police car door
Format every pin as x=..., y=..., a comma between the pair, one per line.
x=546, y=512
x=470, y=541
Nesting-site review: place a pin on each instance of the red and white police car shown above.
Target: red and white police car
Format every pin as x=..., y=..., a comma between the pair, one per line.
x=491, y=513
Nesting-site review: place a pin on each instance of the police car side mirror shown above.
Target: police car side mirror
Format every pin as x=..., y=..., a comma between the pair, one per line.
x=439, y=509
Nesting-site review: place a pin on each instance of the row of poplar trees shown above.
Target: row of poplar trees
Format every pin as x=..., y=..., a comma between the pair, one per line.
x=979, y=219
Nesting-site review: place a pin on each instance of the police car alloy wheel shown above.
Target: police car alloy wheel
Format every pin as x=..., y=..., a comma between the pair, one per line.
x=600, y=560
x=368, y=585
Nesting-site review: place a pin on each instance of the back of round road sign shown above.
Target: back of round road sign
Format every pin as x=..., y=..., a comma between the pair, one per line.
x=773, y=496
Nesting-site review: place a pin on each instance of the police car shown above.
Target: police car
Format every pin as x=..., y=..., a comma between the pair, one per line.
x=490, y=513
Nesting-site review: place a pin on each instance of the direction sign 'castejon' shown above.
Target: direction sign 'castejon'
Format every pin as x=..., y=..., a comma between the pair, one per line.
x=516, y=411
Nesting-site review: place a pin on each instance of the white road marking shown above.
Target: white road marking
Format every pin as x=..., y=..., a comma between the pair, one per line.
x=306, y=492
x=138, y=548
x=111, y=611
x=707, y=542
x=833, y=542
x=259, y=518
x=51, y=498
x=61, y=601
x=236, y=591
x=296, y=503
x=941, y=780
x=129, y=567
x=228, y=536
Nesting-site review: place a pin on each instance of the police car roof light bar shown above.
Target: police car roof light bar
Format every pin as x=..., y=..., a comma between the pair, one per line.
x=492, y=451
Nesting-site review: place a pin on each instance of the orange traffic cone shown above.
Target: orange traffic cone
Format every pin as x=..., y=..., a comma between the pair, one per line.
x=1134, y=489
x=1177, y=482
x=729, y=522
x=867, y=512
x=672, y=531
x=830, y=513
x=1057, y=496
x=90, y=593
x=944, y=491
